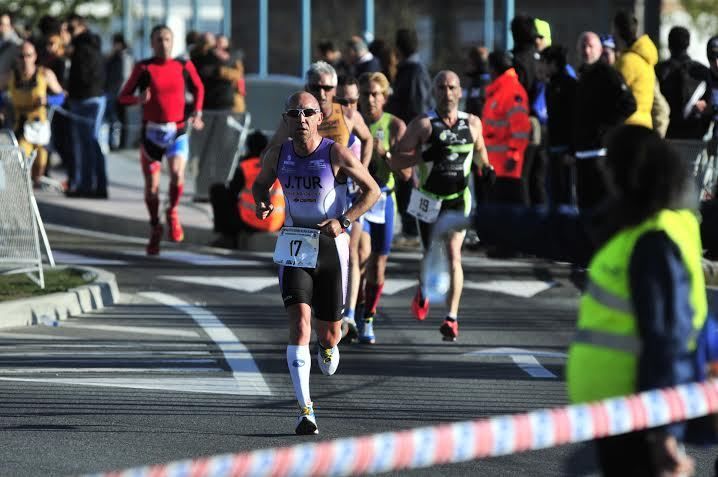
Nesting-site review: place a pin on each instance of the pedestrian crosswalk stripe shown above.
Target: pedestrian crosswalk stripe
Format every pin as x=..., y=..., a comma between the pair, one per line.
x=205, y=385
x=193, y=258
x=139, y=330
x=520, y=288
x=396, y=285
x=245, y=284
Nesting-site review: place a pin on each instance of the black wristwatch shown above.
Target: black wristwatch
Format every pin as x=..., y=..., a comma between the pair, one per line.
x=344, y=221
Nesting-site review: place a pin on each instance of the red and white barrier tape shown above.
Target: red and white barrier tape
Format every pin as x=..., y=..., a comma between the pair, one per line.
x=451, y=443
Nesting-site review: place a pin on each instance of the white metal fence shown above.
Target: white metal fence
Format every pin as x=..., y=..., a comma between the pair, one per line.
x=20, y=222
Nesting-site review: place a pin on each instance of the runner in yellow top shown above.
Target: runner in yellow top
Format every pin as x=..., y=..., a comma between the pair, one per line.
x=387, y=130
x=28, y=89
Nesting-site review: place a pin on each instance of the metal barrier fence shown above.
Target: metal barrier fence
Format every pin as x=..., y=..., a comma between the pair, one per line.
x=452, y=443
x=20, y=222
x=217, y=147
x=702, y=163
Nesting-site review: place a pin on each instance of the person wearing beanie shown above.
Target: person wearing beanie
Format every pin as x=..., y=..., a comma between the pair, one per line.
x=608, y=55
x=684, y=82
x=543, y=30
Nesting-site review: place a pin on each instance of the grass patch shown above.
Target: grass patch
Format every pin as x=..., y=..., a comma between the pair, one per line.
x=13, y=287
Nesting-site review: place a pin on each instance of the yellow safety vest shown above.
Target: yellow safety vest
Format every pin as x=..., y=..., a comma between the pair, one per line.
x=603, y=358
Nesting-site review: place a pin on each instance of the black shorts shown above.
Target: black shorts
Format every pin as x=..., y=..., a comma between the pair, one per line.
x=324, y=287
x=460, y=204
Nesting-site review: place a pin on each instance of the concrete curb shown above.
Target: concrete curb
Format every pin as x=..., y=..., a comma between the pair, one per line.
x=103, y=291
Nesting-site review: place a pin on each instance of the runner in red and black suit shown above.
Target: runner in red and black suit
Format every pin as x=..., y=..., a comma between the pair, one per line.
x=162, y=82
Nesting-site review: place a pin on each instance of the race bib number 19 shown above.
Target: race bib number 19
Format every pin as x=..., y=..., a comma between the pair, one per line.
x=297, y=247
x=424, y=207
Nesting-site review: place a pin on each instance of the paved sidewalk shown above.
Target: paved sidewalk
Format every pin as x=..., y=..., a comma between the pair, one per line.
x=125, y=212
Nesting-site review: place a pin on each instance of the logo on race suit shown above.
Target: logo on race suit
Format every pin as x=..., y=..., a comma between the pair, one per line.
x=302, y=200
x=462, y=125
x=451, y=137
x=303, y=182
x=452, y=157
x=298, y=363
x=316, y=164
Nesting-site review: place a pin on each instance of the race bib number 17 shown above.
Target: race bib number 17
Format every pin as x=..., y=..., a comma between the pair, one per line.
x=297, y=247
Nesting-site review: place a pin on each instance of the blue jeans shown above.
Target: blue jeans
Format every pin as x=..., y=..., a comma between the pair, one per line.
x=89, y=174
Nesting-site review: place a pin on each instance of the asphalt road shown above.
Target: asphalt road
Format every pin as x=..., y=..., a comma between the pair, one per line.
x=191, y=363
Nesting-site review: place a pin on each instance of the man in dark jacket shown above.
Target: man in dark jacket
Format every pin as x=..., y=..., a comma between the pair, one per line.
x=412, y=87
x=87, y=177
x=526, y=56
x=118, y=67
x=603, y=101
x=478, y=79
x=412, y=96
x=685, y=84
x=219, y=89
x=360, y=58
x=528, y=66
x=560, y=97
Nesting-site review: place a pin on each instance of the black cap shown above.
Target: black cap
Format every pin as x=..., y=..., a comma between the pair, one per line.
x=712, y=48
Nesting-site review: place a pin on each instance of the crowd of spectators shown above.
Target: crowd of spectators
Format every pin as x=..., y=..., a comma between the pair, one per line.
x=58, y=88
x=617, y=80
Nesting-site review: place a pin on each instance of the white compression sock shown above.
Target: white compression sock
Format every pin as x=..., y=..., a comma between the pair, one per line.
x=299, y=361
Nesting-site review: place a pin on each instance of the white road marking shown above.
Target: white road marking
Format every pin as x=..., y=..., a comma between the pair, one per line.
x=520, y=288
x=524, y=359
x=531, y=365
x=149, y=353
x=396, y=285
x=62, y=370
x=140, y=330
x=238, y=357
x=68, y=258
x=95, y=234
x=27, y=336
x=245, y=284
x=193, y=258
x=216, y=385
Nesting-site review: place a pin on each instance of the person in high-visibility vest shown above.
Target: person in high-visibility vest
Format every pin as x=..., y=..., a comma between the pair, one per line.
x=506, y=129
x=233, y=206
x=644, y=304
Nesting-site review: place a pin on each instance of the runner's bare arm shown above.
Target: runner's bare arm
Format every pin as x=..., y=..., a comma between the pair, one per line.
x=481, y=158
x=361, y=131
x=263, y=182
x=52, y=84
x=407, y=151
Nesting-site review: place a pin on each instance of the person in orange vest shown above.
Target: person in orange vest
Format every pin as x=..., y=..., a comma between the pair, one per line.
x=506, y=129
x=233, y=206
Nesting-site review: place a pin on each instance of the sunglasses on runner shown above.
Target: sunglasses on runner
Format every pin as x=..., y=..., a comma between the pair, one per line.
x=295, y=113
x=317, y=87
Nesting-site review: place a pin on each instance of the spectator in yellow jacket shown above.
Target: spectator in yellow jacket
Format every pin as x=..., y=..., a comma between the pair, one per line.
x=638, y=57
